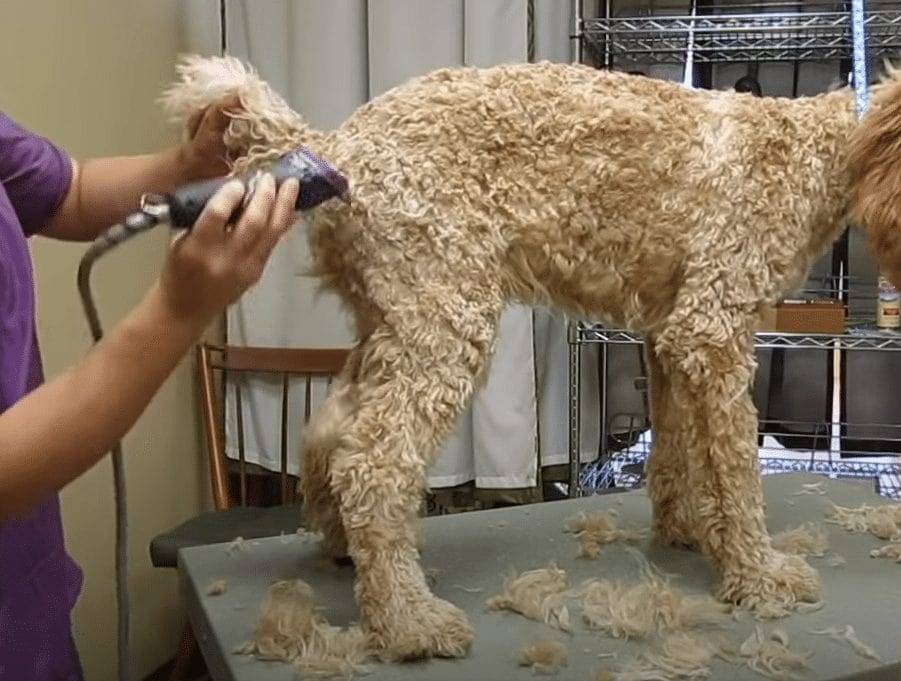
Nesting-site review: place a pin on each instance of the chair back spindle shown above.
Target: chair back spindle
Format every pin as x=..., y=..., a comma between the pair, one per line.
x=230, y=367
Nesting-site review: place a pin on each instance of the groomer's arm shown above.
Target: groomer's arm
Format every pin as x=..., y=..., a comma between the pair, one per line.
x=104, y=190
x=61, y=429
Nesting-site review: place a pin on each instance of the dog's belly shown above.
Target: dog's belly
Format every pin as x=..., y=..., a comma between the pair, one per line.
x=633, y=285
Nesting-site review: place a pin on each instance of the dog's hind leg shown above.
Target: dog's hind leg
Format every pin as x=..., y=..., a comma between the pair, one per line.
x=708, y=351
x=418, y=371
x=667, y=465
x=320, y=438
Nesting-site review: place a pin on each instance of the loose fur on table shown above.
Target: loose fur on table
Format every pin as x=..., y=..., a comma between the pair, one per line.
x=646, y=607
x=595, y=529
x=681, y=656
x=681, y=213
x=883, y=521
x=216, y=587
x=848, y=635
x=808, y=539
x=892, y=551
x=290, y=630
x=537, y=594
x=544, y=657
x=771, y=655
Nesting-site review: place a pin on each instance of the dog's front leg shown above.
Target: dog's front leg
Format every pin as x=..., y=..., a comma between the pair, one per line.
x=667, y=466
x=410, y=389
x=708, y=355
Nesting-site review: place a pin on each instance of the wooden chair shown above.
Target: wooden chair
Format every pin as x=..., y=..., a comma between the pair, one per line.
x=241, y=508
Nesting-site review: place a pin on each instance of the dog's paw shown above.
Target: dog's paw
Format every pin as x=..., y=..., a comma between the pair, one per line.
x=414, y=629
x=775, y=589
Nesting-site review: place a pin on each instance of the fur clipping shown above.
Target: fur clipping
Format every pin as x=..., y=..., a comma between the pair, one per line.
x=771, y=655
x=537, y=594
x=289, y=629
x=647, y=607
x=808, y=539
x=882, y=521
x=216, y=587
x=681, y=656
x=892, y=551
x=849, y=636
x=544, y=656
x=596, y=529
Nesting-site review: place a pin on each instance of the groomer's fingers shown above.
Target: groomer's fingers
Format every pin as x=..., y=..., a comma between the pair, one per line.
x=255, y=217
x=195, y=120
x=210, y=225
x=214, y=118
x=280, y=221
x=219, y=115
x=283, y=216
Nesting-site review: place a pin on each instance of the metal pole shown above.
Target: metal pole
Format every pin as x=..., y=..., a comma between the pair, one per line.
x=576, y=39
x=223, y=28
x=859, y=56
x=575, y=408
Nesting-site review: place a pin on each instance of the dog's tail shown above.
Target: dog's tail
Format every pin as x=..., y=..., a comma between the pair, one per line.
x=874, y=158
x=263, y=125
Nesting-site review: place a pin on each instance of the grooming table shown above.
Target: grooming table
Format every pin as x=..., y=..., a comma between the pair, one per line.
x=476, y=550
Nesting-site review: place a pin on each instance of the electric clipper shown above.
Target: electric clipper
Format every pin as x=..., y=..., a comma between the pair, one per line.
x=319, y=182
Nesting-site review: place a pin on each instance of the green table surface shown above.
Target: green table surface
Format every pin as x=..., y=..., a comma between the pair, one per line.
x=477, y=550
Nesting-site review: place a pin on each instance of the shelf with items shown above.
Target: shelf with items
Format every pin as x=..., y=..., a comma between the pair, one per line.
x=785, y=446
x=750, y=32
x=858, y=336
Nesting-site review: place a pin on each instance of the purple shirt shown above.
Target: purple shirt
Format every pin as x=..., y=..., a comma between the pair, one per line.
x=39, y=582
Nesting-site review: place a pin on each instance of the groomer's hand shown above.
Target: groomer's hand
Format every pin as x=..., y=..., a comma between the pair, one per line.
x=204, y=154
x=210, y=266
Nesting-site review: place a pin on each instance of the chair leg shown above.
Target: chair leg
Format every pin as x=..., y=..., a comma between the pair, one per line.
x=186, y=648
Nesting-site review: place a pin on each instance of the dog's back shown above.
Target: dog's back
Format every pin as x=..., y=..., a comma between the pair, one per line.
x=587, y=188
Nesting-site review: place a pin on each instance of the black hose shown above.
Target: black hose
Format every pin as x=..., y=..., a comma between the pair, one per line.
x=134, y=224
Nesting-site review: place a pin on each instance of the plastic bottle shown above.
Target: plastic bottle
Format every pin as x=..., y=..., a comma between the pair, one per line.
x=888, y=305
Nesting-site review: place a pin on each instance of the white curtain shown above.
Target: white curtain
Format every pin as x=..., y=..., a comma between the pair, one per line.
x=326, y=59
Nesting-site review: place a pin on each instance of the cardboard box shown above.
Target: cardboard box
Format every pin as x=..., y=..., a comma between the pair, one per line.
x=824, y=315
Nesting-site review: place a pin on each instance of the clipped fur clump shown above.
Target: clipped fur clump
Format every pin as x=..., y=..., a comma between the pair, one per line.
x=808, y=539
x=596, y=529
x=544, y=657
x=836, y=560
x=290, y=630
x=770, y=655
x=649, y=606
x=892, y=551
x=849, y=636
x=678, y=212
x=537, y=594
x=681, y=657
x=216, y=587
x=811, y=488
x=882, y=521
x=237, y=545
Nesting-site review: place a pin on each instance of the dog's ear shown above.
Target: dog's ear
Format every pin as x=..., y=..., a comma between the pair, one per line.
x=874, y=164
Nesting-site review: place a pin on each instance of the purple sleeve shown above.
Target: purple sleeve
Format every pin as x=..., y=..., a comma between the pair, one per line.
x=34, y=172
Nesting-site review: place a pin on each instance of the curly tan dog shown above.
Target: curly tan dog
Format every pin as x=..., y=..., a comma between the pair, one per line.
x=679, y=213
